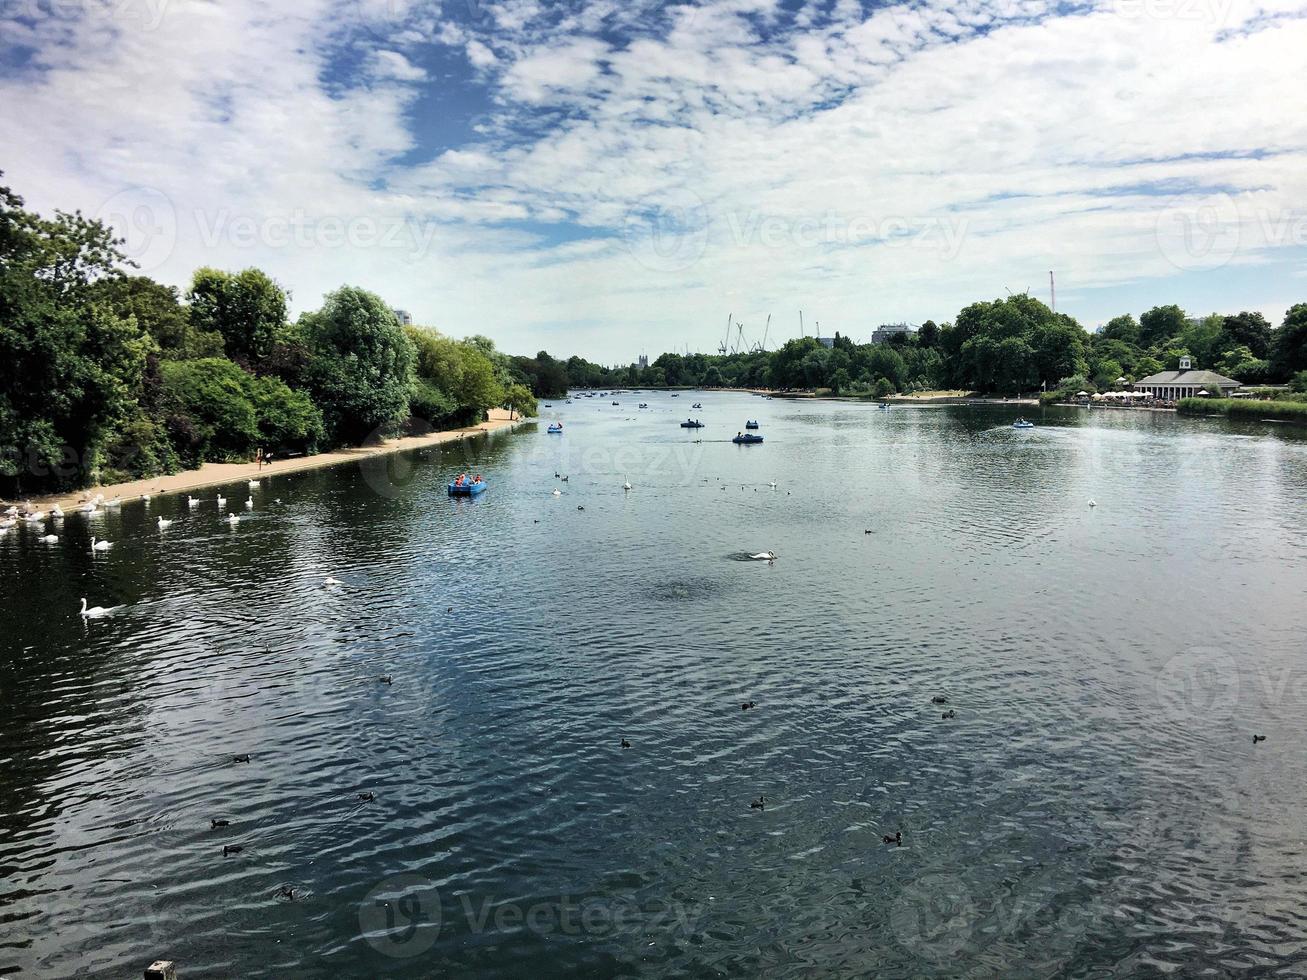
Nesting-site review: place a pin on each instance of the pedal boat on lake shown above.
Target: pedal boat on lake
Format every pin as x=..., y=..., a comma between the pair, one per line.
x=1023, y=424
x=468, y=488
x=691, y=424
x=746, y=439
x=752, y=424
x=556, y=428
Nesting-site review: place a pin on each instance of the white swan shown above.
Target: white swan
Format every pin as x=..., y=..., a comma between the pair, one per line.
x=145, y=497
x=764, y=556
x=192, y=501
x=35, y=516
x=233, y=519
x=115, y=502
x=11, y=512
x=1093, y=503
x=56, y=511
x=222, y=501
x=88, y=508
x=98, y=545
x=254, y=484
x=626, y=485
x=95, y=612
x=49, y=538
x=249, y=503
x=332, y=581
x=163, y=525
x=557, y=492
x=772, y=484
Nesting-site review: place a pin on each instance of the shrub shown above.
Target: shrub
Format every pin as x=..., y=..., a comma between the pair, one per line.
x=1250, y=410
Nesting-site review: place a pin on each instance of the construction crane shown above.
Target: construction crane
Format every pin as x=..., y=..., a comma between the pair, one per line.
x=761, y=346
x=721, y=348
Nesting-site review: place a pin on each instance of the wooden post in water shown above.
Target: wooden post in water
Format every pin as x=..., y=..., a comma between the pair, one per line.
x=161, y=970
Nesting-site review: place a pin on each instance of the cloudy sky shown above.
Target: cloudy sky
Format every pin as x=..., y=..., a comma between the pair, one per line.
x=615, y=177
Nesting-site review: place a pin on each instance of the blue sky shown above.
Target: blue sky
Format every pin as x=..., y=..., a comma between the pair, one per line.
x=616, y=177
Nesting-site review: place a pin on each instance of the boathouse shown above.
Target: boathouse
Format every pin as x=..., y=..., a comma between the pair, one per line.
x=1186, y=383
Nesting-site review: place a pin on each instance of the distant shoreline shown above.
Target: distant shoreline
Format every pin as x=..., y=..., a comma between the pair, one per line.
x=216, y=474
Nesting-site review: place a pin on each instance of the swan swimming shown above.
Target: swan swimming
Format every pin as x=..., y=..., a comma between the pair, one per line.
x=329, y=580
x=192, y=501
x=249, y=503
x=56, y=511
x=557, y=492
x=88, y=508
x=233, y=519
x=1093, y=503
x=764, y=556
x=100, y=545
x=95, y=612
x=49, y=538
x=222, y=501
x=35, y=516
x=254, y=484
x=164, y=524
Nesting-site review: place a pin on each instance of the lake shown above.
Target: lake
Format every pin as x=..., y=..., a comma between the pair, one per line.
x=1096, y=806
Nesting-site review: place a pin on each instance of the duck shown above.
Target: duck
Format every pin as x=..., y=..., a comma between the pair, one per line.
x=95, y=612
x=939, y=699
x=1258, y=738
x=625, y=744
x=386, y=679
x=563, y=478
x=164, y=524
x=758, y=803
x=747, y=705
x=244, y=757
x=49, y=539
x=231, y=849
x=868, y=532
x=896, y=839
x=192, y=501
x=99, y=545
x=949, y=714
x=287, y=893
x=215, y=824
x=366, y=797
x=580, y=507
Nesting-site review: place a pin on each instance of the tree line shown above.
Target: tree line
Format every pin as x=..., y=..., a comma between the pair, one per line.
x=112, y=376
x=1011, y=345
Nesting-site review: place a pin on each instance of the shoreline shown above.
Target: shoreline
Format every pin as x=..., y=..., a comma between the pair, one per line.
x=215, y=474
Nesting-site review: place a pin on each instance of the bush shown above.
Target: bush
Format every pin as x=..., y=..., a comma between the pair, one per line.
x=521, y=400
x=1298, y=382
x=1249, y=410
x=287, y=418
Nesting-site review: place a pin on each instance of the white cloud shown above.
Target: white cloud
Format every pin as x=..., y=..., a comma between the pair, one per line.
x=860, y=167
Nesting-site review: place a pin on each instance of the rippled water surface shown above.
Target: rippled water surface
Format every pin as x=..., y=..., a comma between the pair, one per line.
x=1096, y=807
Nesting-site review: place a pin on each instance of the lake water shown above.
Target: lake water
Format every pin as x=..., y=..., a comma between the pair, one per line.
x=1097, y=806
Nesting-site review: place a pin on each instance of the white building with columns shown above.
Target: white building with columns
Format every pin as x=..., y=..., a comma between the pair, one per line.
x=1185, y=383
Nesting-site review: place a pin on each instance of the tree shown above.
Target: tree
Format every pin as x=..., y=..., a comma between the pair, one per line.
x=928, y=335
x=361, y=367
x=1247, y=330
x=460, y=371
x=158, y=312
x=72, y=366
x=246, y=308
x=1289, y=346
x=1124, y=328
x=519, y=398
x=1160, y=324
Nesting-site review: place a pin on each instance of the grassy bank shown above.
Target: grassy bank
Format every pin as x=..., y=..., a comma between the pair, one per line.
x=1245, y=409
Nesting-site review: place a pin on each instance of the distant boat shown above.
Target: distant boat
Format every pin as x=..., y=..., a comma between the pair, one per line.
x=556, y=428
x=617, y=403
x=696, y=405
x=746, y=439
x=1023, y=424
x=752, y=424
x=470, y=489
x=547, y=405
x=644, y=404
x=691, y=424
x=675, y=395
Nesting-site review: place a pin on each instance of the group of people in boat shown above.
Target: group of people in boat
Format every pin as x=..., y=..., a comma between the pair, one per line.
x=464, y=481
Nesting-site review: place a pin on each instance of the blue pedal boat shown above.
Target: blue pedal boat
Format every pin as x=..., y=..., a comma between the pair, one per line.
x=556, y=428
x=746, y=439
x=752, y=424
x=467, y=489
x=691, y=424
x=1023, y=424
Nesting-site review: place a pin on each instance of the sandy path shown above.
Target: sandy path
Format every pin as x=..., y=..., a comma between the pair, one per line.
x=212, y=474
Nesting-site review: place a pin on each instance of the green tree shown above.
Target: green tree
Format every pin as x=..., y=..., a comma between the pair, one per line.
x=158, y=311
x=72, y=367
x=1160, y=324
x=1289, y=345
x=246, y=308
x=361, y=368
x=1249, y=330
x=1124, y=328
x=461, y=371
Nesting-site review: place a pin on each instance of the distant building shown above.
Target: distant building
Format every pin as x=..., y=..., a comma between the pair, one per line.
x=887, y=330
x=1185, y=383
x=643, y=362
x=826, y=341
x=404, y=317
